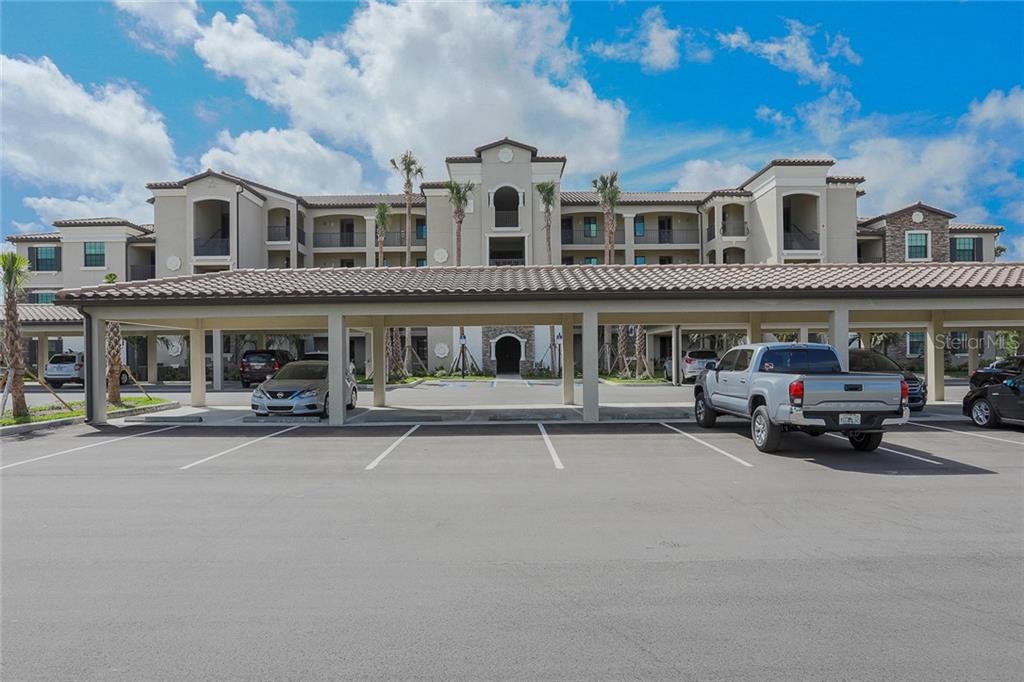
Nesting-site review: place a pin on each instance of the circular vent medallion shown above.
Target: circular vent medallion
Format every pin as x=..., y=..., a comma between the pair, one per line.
x=917, y=216
x=505, y=154
x=441, y=256
x=441, y=350
x=174, y=264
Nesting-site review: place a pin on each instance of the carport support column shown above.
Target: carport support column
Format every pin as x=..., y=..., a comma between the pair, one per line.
x=261, y=341
x=676, y=356
x=380, y=363
x=96, y=370
x=590, y=382
x=568, y=361
x=804, y=335
x=337, y=359
x=42, y=345
x=972, y=350
x=754, y=334
x=151, y=358
x=935, y=358
x=839, y=334
x=197, y=366
x=218, y=359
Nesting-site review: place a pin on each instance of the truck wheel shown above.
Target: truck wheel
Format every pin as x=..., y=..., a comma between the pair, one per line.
x=865, y=442
x=983, y=415
x=123, y=378
x=766, y=435
x=703, y=413
x=246, y=384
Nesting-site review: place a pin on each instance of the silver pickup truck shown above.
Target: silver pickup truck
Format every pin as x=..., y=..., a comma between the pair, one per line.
x=783, y=387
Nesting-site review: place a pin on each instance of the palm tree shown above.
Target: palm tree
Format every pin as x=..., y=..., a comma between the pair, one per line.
x=608, y=192
x=458, y=196
x=14, y=270
x=113, y=353
x=409, y=168
x=546, y=190
x=383, y=212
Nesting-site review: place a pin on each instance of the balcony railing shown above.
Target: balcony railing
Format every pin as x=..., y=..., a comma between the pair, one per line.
x=338, y=239
x=680, y=236
x=735, y=228
x=709, y=232
x=507, y=261
x=870, y=259
x=397, y=238
x=584, y=236
x=278, y=233
x=137, y=272
x=795, y=239
x=211, y=246
x=301, y=235
x=506, y=218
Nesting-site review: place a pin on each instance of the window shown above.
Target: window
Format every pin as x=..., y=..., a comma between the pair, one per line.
x=590, y=260
x=919, y=245
x=590, y=226
x=421, y=228
x=664, y=260
x=46, y=259
x=743, y=360
x=41, y=297
x=640, y=260
x=567, y=222
x=915, y=344
x=566, y=260
x=729, y=361
x=639, y=227
x=95, y=255
x=965, y=249
x=421, y=262
x=801, y=361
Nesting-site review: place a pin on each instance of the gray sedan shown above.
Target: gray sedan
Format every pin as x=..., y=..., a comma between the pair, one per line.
x=298, y=388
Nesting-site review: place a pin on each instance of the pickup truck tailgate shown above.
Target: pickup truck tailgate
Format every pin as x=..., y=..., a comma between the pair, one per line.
x=852, y=393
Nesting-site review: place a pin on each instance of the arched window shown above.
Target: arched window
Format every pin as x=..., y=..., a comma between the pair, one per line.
x=506, y=207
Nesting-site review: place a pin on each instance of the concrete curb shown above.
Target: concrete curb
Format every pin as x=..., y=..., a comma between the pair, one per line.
x=68, y=421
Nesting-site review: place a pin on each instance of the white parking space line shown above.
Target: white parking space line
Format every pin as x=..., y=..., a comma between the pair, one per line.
x=551, y=447
x=86, y=447
x=380, y=458
x=968, y=433
x=239, y=447
x=708, y=445
x=895, y=452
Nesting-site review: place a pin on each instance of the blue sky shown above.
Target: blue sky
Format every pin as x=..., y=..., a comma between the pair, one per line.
x=923, y=99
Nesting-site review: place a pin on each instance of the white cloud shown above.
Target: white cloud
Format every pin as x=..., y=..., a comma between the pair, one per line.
x=793, y=52
x=288, y=159
x=448, y=74
x=161, y=26
x=276, y=18
x=827, y=116
x=701, y=175
x=26, y=227
x=998, y=109
x=654, y=44
x=840, y=47
x=773, y=116
x=127, y=201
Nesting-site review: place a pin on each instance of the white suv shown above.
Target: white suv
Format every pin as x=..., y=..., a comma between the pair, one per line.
x=64, y=368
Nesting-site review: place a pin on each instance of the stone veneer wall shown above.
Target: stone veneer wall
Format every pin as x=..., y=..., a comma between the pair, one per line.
x=489, y=334
x=898, y=225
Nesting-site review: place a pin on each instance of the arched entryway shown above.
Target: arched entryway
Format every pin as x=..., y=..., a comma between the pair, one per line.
x=508, y=351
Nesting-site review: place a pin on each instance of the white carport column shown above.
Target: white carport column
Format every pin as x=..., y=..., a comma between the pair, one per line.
x=676, y=355
x=839, y=334
x=568, y=361
x=337, y=359
x=96, y=370
x=935, y=357
x=261, y=341
x=218, y=359
x=590, y=382
x=380, y=364
x=972, y=350
x=42, y=345
x=152, y=357
x=754, y=334
x=804, y=335
x=197, y=366
x=628, y=221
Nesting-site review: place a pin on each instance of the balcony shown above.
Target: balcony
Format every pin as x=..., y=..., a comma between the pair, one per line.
x=680, y=236
x=138, y=272
x=506, y=218
x=795, y=239
x=397, y=238
x=735, y=228
x=278, y=233
x=338, y=239
x=709, y=232
x=507, y=261
x=301, y=235
x=211, y=246
x=870, y=259
x=584, y=236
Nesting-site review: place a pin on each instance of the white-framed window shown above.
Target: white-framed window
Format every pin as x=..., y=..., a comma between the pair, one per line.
x=915, y=344
x=918, y=245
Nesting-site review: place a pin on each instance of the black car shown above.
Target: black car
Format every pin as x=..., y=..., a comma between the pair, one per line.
x=257, y=365
x=992, y=404
x=867, y=360
x=998, y=371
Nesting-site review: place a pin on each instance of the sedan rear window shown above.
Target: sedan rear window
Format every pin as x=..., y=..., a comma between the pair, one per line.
x=801, y=361
x=63, y=360
x=258, y=357
x=303, y=371
x=703, y=354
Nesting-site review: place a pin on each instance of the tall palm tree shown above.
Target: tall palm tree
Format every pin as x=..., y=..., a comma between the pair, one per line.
x=113, y=353
x=409, y=167
x=546, y=190
x=382, y=215
x=608, y=193
x=458, y=196
x=14, y=271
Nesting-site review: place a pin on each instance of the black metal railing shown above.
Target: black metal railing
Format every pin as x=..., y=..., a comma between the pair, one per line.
x=585, y=236
x=301, y=236
x=211, y=246
x=279, y=233
x=397, y=238
x=137, y=272
x=506, y=218
x=796, y=239
x=870, y=259
x=709, y=232
x=680, y=236
x=338, y=239
x=735, y=228
x=507, y=261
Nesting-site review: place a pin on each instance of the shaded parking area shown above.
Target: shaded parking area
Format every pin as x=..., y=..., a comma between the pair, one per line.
x=529, y=550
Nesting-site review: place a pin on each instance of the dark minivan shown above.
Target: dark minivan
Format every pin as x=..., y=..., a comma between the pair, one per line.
x=257, y=366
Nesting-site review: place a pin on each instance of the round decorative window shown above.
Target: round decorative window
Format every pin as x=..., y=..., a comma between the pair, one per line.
x=440, y=255
x=174, y=264
x=917, y=216
x=441, y=350
x=505, y=154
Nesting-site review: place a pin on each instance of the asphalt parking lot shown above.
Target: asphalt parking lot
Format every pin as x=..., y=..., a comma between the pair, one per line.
x=572, y=551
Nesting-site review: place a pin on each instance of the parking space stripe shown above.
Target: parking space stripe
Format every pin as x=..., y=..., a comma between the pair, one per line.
x=551, y=447
x=239, y=447
x=86, y=447
x=968, y=433
x=895, y=452
x=707, y=445
x=380, y=458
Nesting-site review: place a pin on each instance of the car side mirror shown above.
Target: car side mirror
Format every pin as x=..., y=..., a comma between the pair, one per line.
x=711, y=366
x=1012, y=384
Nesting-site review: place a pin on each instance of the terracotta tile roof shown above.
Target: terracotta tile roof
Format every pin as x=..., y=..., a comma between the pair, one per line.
x=974, y=227
x=102, y=222
x=787, y=162
x=475, y=158
x=579, y=198
x=47, y=313
x=434, y=184
x=34, y=237
x=360, y=200
x=726, y=193
x=844, y=179
x=567, y=282
x=178, y=184
x=919, y=205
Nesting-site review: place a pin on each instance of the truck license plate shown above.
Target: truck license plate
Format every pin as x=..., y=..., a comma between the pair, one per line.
x=849, y=419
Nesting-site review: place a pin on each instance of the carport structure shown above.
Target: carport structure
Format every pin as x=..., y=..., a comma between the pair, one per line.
x=842, y=298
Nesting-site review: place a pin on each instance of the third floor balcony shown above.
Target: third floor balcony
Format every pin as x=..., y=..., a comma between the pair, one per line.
x=211, y=246
x=328, y=239
x=590, y=236
x=686, y=235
